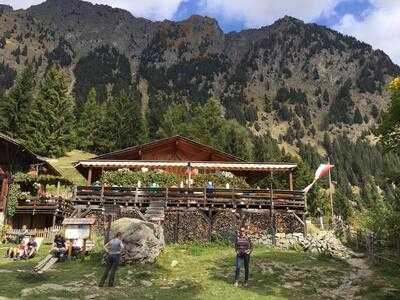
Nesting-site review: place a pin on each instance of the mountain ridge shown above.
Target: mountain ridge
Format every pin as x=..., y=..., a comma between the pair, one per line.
x=294, y=79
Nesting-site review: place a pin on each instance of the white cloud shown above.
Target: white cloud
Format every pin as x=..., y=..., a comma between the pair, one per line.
x=256, y=13
x=151, y=9
x=18, y=4
x=379, y=27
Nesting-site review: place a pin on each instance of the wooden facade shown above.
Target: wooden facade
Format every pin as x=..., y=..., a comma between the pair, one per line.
x=15, y=157
x=179, y=154
x=176, y=154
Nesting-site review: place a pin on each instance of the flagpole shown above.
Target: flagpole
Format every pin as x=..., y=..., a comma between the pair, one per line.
x=330, y=187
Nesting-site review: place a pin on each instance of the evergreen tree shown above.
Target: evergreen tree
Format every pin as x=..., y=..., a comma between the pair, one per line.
x=389, y=128
x=235, y=139
x=89, y=122
x=122, y=125
x=358, y=119
x=175, y=121
x=15, y=106
x=51, y=121
x=266, y=148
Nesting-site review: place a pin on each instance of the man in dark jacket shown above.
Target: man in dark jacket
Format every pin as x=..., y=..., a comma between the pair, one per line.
x=243, y=249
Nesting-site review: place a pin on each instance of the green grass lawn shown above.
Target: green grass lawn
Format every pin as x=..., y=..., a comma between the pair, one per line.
x=188, y=272
x=65, y=165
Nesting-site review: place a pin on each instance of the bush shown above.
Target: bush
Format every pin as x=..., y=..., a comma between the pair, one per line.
x=130, y=178
x=220, y=180
x=14, y=196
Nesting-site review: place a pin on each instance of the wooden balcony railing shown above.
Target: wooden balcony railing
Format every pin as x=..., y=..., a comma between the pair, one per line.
x=97, y=197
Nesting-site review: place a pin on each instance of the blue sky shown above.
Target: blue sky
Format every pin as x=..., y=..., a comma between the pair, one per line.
x=190, y=7
x=376, y=22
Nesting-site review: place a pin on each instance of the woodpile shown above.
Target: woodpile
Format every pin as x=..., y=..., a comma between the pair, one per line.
x=193, y=225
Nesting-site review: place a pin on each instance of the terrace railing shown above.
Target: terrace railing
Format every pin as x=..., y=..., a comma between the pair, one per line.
x=97, y=197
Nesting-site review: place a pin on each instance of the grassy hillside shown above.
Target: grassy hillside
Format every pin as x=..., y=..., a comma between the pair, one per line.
x=199, y=272
x=65, y=165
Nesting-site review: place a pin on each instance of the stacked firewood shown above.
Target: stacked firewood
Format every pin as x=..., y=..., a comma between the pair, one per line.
x=185, y=226
x=65, y=207
x=287, y=223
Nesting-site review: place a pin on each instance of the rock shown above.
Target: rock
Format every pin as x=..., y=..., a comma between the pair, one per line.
x=47, y=287
x=143, y=240
x=174, y=263
x=146, y=283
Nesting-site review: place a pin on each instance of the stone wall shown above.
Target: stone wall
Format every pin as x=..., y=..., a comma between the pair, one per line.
x=323, y=242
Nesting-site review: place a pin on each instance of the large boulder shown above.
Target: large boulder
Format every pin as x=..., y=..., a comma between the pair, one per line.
x=143, y=240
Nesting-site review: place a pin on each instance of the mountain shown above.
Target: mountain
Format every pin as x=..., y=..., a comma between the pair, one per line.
x=293, y=79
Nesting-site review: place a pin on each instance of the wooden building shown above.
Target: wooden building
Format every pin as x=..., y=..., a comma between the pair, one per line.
x=15, y=157
x=176, y=154
x=166, y=204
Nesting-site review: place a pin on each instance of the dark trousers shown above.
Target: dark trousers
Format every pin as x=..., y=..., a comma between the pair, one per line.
x=245, y=259
x=112, y=263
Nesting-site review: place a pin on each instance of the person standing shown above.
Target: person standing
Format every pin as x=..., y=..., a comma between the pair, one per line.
x=243, y=249
x=113, y=249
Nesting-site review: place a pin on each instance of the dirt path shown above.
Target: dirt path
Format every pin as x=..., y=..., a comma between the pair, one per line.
x=351, y=284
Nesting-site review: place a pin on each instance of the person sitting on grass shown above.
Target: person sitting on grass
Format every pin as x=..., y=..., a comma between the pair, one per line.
x=113, y=249
x=12, y=252
x=59, y=249
x=76, y=247
x=243, y=249
x=31, y=247
x=22, y=234
x=17, y=252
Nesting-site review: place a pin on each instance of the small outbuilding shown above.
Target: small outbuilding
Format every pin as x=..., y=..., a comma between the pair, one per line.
x=16, y=157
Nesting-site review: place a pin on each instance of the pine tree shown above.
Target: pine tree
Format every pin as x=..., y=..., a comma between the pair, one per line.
x=235, y=139
x=51, y=129
x=123, y=125
x=357, y=116
x=89, y=122
x=15, y=106
x=389, y=128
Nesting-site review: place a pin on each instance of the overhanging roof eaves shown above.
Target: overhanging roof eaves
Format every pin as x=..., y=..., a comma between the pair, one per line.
x=202, y=165
x=36, y=157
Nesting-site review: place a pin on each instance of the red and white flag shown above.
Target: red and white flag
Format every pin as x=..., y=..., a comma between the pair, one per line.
x=322, y=171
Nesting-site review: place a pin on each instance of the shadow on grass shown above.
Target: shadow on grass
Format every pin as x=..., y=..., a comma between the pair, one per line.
x=292, y=275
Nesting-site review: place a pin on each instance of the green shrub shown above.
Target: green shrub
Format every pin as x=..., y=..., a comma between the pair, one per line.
x=220, y=180
x=131, y=178
x=127, y=177
x=14, y=195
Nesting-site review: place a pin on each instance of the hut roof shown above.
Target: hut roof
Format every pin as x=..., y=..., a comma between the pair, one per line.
x=14, y=153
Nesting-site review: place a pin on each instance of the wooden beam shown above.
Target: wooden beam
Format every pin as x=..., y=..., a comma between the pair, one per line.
x=291, y=181
x=305, y=214
x=272, y=219
x=3, y=194
x=210, y=224
x=89, y=180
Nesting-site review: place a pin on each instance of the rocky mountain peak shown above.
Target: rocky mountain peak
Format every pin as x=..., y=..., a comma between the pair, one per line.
x=5, y=8
x=288, y=21
x=294, y=79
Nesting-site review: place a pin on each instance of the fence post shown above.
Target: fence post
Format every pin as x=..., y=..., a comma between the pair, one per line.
x=398, y=245
x=370, y=244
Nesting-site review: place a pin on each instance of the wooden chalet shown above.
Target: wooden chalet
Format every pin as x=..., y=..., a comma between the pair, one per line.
x=15, y=157
x=178, y=154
